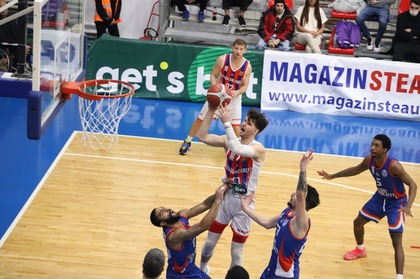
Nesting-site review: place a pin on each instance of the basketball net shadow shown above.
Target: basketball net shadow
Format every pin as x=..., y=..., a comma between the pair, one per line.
x=102, y=105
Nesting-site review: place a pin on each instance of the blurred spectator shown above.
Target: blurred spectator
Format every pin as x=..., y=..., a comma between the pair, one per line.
x=310, y=23
x=107, y=16
x=277, y=29
x=185, y=14
x=374, y=11
x=406, y=43
x=9, y=40
x=9, y=30
x=237, y=272
x=153, y=264
x=243, y=6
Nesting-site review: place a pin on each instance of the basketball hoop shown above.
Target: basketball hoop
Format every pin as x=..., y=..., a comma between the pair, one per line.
x=102, y=105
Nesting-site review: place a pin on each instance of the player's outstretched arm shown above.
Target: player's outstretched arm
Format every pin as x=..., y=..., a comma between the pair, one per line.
x=398, y=170
x=256, y=151
x=246, y=202
x=203, y=133
x=301, y=225
x=364, y=165
x=181, y=235
x=215, y=71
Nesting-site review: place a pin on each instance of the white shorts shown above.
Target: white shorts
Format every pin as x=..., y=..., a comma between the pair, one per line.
x=231, y=211
x=235, y=110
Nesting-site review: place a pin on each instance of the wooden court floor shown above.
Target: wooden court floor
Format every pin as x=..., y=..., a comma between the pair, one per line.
x=90, y=215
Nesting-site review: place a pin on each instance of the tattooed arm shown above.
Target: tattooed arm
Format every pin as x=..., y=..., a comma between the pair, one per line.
x=300, y=224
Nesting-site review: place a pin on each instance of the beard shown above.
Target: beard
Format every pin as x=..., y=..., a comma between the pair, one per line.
x=173, y=219
x=289, y=203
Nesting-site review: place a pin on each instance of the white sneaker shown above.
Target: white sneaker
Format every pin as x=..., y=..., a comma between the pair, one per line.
x=377, y=48
x=207, y=271
x=369, y=47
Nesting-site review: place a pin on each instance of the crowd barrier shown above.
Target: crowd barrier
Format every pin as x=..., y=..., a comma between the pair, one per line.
x=308, y=83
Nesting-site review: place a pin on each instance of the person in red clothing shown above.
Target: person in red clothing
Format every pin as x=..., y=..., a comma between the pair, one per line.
x=107, y=16
x=277, y=27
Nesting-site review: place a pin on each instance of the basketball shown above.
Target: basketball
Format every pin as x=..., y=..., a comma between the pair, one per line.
x=218, y=94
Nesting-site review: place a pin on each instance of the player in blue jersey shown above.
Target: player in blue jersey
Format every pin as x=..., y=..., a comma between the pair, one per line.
x=390, y=198
x=180, y=236
x=292, y=226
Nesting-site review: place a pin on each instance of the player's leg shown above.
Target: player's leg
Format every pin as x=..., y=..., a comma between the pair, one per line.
x=371, y=211
x=186, y=145
x=241, y=227
x=398, y=251
x=396, y=221
x=359, y=229
x=222, y=220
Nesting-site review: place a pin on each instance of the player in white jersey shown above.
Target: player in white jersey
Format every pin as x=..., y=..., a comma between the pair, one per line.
x=244, y=157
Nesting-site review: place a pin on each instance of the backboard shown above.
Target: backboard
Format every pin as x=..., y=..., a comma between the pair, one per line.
x=59, y=51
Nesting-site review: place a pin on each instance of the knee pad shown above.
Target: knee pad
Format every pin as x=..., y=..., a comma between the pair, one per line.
x=236, y=250
x=211, y=241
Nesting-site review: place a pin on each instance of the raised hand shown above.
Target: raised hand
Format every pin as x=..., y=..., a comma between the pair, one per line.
x=307, y=157
x=324, y=175
x=221, y=191
x=224, y=113
x=246, y=201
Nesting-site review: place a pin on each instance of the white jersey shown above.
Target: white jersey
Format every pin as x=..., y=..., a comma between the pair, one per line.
x=243, y=170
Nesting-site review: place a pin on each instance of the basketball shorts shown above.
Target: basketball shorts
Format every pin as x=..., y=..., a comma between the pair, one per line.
x=378, y=207
x=235, y=110
x=231, y=211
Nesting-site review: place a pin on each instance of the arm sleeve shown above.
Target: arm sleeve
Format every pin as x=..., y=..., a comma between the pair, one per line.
x=235, y=145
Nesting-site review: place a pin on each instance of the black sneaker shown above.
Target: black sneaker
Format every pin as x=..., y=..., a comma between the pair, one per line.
x=226, y=20
x=185, y=147
x=241, y=21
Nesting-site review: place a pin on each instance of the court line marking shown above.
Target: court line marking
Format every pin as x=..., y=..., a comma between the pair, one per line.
x=73, y=135
x=271, y=149
x=218, y=168
x=35, y=192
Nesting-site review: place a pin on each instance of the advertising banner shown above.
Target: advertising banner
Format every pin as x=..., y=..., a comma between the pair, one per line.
x=312, y=83
x=163, y=70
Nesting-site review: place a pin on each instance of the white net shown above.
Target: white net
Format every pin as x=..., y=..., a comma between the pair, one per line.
x=101, y=116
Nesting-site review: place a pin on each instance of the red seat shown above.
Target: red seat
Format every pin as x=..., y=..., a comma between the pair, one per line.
x=299, y=47
x=335, y=49
x=335, y=14
x=331, y=47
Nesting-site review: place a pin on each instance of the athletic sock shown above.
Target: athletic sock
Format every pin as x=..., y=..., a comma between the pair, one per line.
x=189, y=139
x=203, y=266
x=360, y=247
x=400, y=276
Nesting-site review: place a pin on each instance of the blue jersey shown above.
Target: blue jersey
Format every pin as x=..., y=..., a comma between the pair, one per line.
x=284, y=261
x=388, y=185
x=182, y=260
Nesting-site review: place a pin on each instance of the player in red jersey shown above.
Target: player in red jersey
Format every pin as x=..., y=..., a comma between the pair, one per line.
x=233, y=70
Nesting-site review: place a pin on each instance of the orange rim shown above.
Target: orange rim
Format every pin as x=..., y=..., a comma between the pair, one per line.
x=72, y=87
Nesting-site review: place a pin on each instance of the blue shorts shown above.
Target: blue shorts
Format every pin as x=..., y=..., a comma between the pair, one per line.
x=378, y=207
x=193, y=272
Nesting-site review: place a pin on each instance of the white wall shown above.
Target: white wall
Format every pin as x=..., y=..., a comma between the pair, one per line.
x=134, y=14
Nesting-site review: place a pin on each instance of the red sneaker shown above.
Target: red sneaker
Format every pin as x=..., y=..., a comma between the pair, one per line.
x=354, y=254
